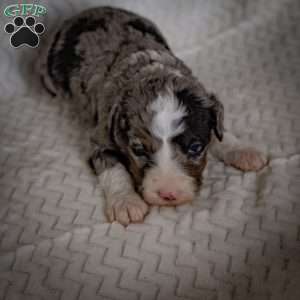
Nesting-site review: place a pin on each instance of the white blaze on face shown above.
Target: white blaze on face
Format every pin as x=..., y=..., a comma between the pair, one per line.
x=167, y=175
x=166, y=124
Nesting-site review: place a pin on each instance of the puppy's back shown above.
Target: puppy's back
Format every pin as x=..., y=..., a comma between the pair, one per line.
x=93, y=42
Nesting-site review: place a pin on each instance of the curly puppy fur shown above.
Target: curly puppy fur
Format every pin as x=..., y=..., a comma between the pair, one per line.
x=153, y=120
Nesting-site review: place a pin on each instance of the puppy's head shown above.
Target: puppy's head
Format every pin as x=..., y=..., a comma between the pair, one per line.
x=165, y=141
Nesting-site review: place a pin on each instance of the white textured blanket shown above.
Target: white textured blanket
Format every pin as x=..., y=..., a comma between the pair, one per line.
x=239, y=240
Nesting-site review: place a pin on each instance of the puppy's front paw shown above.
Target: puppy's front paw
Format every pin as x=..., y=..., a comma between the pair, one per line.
x=246, y=159
x=126, y=209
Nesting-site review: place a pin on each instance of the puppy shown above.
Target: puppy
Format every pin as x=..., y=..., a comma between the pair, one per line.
x=153, y=120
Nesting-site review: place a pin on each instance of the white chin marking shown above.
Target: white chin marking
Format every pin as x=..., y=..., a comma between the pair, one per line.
x=177, y=183
x=167, y=176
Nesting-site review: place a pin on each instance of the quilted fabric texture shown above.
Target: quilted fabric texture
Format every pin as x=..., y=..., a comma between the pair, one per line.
x=239, y=240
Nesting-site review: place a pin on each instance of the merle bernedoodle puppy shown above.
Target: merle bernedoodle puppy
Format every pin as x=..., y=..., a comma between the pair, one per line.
x=153, y=120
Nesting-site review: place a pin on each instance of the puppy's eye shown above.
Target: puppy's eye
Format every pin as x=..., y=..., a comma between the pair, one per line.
x=139, y=150
x=195, y=149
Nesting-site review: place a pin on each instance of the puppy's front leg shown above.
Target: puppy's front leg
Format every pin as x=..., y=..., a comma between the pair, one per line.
x=234, y=153
x=123, y=204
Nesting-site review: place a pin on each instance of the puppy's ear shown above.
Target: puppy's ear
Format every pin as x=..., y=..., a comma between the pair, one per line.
x=209, y=102
x=217, y=110
x=118, y=126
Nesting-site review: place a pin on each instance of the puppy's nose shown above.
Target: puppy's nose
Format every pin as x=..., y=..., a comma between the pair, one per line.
x=167, y=195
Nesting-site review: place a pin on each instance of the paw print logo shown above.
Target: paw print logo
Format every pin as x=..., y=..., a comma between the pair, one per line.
x=24, y=33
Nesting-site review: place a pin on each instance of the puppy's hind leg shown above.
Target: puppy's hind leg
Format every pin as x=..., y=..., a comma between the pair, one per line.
x=234, y=153
x=41, y=65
